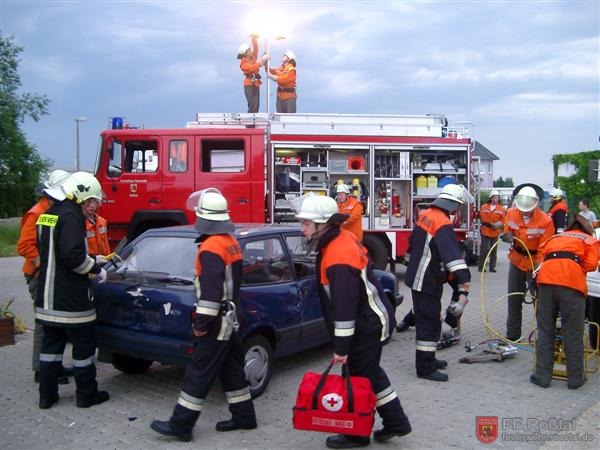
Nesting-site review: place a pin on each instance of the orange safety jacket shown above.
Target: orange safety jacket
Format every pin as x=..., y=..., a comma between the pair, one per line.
x=250, y=67
x=218, y=277
x=97, y=236
x=567, y=257
x=538, y=229
x=27, y=245
x=286, y=81
x=558, y=213
x=490, y=214
x=353, y=224
x=355, y=305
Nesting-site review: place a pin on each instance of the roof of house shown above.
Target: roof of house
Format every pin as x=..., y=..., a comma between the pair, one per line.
x=483, y=152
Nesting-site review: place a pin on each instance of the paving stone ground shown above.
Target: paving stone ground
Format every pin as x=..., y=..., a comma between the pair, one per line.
x=443, y=415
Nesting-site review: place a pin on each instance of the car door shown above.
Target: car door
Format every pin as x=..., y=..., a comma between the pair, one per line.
x=269, y=293
x=314, y=330
x=150, y=293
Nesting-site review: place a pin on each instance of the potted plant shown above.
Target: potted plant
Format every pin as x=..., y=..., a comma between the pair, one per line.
x=7, y=324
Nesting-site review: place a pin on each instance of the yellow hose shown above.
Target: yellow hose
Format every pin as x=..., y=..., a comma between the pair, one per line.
x=487, y=315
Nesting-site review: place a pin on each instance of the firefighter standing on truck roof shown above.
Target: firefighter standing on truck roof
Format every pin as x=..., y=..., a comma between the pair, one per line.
x=492, y=223
x=217, y=345
x=558, y=210
x=357, y=312
x=250, y=67
x=434, y=250
x=27, y=247
x=64, y=303
x=352, y=208
x=532, y=226
x=562, y=289
x=285, y=76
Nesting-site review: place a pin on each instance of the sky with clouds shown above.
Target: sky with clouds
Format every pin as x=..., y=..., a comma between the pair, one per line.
x=526, y=73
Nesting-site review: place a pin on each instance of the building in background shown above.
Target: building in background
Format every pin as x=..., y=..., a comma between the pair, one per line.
x=483, y=165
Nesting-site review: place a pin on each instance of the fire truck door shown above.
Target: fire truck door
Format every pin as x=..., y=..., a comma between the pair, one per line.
x=225, y=164
x=134, y=178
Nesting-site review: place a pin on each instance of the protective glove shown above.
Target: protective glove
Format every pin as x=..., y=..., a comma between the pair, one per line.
x=457, y=308
x=101, y=260
x=264, y=58
x=101, y=277
x=498, y=225
x=507, y=237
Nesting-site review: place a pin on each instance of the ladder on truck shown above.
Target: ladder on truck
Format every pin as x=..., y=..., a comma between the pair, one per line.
x=428, y=125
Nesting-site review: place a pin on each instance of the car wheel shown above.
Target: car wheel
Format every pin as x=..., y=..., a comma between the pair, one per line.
x=129, y=364
x=377, y=251
x=258, y=363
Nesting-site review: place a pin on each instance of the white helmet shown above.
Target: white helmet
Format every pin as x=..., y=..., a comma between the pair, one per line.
x=557, y=192
x=55, y=177
x=494, y=192
x=526, y=199
x=209, y=204
x=51, y=186
x=290, y=55
x=318, y=208
x=81, y=186
x=452, y=196
x=343, y=188
x=243, y=49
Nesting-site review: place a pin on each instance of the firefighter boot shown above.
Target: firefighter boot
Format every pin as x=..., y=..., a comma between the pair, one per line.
x=385, y=434
x=166, y=429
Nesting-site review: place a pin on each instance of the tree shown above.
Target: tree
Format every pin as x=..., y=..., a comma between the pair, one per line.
x=501, y=182
x=21, y=166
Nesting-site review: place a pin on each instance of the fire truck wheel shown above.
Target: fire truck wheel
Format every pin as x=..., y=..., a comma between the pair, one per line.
x=129, y=364
x=377, y=251
x=258, y=363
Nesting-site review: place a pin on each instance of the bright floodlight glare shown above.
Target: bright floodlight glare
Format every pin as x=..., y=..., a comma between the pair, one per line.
x=267, y=24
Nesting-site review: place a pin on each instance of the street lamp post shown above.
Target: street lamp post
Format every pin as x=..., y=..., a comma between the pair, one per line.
x=78, y=120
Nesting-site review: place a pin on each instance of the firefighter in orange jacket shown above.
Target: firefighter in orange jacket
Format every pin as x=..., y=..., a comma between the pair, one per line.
x=562, y=288
x=352, y=208
x=357, y=312
x=285, y=76
x=558, y=210
x=250, y=67
x=532, y=226
x=492, y=223
x=434, y=251
x=27, y=247
x=96, y=229
x=217, y=346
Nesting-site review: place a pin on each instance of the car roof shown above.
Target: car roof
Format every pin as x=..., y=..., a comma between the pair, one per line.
x=241, y=230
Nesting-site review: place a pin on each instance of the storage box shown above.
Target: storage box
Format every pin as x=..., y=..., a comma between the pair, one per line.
x=336, y=165
x=428, y=190
x=382, y=223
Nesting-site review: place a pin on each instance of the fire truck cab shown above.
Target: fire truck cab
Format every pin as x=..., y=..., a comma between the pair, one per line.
x=394, y=164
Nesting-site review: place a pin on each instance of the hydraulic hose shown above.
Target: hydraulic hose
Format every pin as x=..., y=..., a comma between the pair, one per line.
x=487, y=314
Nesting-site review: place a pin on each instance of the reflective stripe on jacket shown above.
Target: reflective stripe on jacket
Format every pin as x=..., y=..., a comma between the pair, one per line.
x=219, y=273
x=353, y=302
x=490, y=214
x=434, y=254
x=97, y=236
x=566, y=271
x=64, y=296
x=538, y=229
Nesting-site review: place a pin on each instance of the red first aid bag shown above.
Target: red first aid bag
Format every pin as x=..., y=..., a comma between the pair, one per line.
x=335, y=403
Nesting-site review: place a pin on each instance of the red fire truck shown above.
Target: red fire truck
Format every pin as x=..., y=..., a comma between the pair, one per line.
x=395, y=164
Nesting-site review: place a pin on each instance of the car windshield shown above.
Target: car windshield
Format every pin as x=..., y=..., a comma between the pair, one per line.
x=171, y=255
